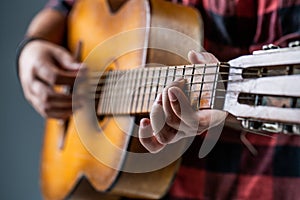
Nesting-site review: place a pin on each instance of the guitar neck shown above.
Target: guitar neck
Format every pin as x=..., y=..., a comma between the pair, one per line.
x=134, y=91
x=256, y=93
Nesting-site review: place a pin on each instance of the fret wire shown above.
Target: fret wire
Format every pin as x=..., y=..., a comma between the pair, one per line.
x=108, y=94
x=111, y=91
x=192, y=77
x=115, y=92
x=214, y=85
x=118, y=91
x=123, y=92
x=174, y=75
x=143, y=96
x=133, y=92
x=129, y=91
x=120, y=85
x=140, y=74
x=166, y=77
x=158, y=80
x=183, y=72
x=201, y=87
x=151, y=86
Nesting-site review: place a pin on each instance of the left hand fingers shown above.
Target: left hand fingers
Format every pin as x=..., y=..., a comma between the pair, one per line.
x=171, y=118
x=201, y=57
x=181, y=107
x=172, y=128
x=147, y=138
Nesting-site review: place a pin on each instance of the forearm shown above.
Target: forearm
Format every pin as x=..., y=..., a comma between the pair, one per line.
x=48, y=24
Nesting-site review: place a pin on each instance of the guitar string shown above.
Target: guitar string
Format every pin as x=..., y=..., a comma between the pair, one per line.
x=149, y=95
x=96, y=88
x=105, y=73
x=192, y=91
x=105, y=89
x=147, y=108
x=152, y=94
x=100, y=81
x=116, y=78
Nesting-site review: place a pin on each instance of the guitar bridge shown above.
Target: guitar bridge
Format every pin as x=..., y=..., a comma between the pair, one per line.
x=270, y=127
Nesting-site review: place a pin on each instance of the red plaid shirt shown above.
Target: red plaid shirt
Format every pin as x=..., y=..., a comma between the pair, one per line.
x=230, y=171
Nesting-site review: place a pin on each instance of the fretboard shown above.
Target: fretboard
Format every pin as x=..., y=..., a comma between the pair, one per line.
x=134, y=91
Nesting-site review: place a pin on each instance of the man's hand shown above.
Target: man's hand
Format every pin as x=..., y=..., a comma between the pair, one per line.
x=43, y=66
x=173, y=118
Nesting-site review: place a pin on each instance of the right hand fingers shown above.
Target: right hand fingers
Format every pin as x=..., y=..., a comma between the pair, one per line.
x=50, y=103
x=43, y=66
x=56, y=66
x=49, y=73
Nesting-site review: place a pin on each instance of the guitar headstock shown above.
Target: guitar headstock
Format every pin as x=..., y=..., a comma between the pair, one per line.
x=263, y=90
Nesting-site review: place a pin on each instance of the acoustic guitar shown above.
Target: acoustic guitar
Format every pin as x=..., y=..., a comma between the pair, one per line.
x=133, y=49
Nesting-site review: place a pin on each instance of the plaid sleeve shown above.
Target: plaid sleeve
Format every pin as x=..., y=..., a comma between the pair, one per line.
x=234, y=28
x=63, y=6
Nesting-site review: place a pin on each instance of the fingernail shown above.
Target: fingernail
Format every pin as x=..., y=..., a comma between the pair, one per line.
x=172, y=96
x=200, y=56
x=75, y=65
x=183, y=80
x=191, y=52
x=180, y=79
x=158, y=99
x=144, y=123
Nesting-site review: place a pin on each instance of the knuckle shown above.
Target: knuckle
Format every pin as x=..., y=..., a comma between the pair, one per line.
x=50, y=73
x=169, y=119
x=154, y=149
x=54, y=77
x=45, y=108
x=166, y=135
x=203, y=121
x=45, y=98
x=163, y=138
x=41, y=110
x=28, y=97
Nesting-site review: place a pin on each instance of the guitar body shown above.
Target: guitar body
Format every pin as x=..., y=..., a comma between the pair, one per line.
x=69, y=167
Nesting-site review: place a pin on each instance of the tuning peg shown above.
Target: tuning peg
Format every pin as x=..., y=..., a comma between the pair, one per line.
x=270, y=46
x=294, y=43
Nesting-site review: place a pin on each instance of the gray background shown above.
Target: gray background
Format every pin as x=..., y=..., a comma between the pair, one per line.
x=21, y=127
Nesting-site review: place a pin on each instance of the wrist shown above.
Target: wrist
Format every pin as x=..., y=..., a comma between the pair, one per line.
x=20, y=48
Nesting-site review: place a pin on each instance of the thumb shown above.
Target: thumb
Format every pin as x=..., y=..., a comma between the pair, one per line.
x=201, y=57
x=65, y=59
